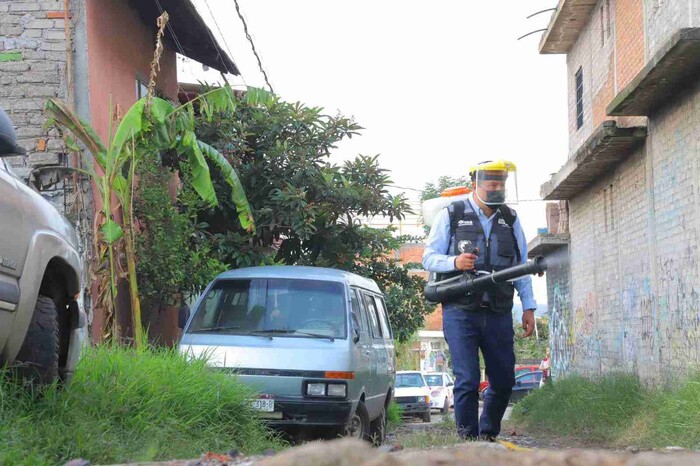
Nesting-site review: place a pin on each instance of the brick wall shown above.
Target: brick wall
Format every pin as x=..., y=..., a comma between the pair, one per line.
x=629, y=40
x=610, y=51
x=32, y=69
x=413, y=253
x=632, y=303
x=558, y=301
x=662, y=18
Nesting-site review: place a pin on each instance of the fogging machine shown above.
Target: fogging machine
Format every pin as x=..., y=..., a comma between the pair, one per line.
x=470, y=282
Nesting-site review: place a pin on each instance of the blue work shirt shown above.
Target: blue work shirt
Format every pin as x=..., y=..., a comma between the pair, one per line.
x=435, y=258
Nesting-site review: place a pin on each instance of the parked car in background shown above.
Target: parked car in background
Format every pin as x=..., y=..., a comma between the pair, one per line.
x=41, y=324
x=525, y=368
x=441, y=390
x=524, y=384
x=413, y=394
x=519, y=370
x=315, y=343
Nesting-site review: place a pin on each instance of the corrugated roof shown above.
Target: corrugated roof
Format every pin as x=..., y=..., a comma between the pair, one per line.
x=190, y=30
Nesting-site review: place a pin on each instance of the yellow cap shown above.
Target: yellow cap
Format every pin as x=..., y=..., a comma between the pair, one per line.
x=496, y=165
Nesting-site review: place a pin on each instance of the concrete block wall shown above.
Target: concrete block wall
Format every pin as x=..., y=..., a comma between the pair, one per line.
x=663, y=18
x=560, y=318
x=634, y=287
x=32, y=69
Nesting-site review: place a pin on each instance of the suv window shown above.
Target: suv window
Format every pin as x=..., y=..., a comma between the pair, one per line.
x=383, y=317
x=373, y=319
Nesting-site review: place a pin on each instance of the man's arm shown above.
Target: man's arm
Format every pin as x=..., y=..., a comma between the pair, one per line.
x=435, y=257
x=524, y=285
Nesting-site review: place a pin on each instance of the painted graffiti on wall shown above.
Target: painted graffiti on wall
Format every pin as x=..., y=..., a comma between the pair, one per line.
x=561, y=336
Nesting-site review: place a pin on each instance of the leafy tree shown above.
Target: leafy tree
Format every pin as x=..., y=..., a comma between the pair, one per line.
x=307, y=208
x=433, y=190
x=531, y=348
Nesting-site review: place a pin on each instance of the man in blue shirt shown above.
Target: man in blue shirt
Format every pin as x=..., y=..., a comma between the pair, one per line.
x=481, y=234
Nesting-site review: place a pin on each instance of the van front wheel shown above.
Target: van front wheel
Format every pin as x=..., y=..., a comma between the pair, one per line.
x=358, y=426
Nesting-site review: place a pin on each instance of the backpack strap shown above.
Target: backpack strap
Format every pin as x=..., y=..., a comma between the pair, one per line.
x=456, y=211
x=509, y=215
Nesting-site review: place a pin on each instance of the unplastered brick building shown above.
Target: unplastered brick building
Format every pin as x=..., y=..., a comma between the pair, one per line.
x=95, y=55
x=628, y=298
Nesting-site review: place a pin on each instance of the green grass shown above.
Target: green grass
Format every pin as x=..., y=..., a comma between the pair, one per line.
x=615, y=410
x=124, y=406
x=443, y=434
x=393, y=414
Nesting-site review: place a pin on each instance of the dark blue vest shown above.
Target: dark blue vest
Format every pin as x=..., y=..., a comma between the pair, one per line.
x=497, y=252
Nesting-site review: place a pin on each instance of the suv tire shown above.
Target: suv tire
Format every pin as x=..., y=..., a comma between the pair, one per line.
x=377, y=429
x=37, y=360
x=426, y=416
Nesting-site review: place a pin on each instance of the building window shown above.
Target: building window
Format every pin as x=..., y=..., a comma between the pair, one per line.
x=141, y=89
x=608, y=28
x=579, y=98
x=602, y=25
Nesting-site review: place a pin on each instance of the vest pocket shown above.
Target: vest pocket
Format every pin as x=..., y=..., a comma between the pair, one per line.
x=506, y=248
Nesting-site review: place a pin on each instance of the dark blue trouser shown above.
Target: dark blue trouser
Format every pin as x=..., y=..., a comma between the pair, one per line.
x=466, y=332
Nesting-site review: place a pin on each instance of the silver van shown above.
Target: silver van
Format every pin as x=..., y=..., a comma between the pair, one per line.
x=314, y=343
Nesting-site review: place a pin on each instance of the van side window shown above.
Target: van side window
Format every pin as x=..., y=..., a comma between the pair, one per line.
x=358, y=321
x=383, y=317
x=373, y=317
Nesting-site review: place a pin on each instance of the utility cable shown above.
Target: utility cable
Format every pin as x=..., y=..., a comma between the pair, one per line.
x=216, y=23
x=252, y=45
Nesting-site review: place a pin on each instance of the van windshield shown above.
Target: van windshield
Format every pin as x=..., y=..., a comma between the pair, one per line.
x=280, y=307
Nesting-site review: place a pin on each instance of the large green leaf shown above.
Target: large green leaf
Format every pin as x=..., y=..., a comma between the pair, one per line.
x=238, y=196
x=111, y=231
x=199, y=169
x=63, y=115
x=130, y=127
x=160, y=109
x=255, y=96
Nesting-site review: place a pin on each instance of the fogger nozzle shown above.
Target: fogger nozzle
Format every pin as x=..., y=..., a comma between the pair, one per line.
x=467, y=283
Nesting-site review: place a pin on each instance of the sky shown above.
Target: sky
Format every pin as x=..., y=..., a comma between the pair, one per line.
x=437, y=85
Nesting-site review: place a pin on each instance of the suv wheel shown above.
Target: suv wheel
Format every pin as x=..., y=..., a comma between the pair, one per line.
x=426, y=416
x=377, y=429
x=37, y=360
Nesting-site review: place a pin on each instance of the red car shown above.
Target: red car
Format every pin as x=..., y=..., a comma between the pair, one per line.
x=519, y=369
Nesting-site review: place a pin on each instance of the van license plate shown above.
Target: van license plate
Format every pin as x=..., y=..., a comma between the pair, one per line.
x=264, y=404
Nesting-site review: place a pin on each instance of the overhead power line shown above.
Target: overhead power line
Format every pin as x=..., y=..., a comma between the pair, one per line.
x=216, y=23
x=252, y=45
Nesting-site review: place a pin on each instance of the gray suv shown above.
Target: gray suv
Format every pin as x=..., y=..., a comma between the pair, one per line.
x=41, y=324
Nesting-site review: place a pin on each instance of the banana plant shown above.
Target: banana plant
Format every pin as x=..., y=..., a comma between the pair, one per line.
x=150, y=127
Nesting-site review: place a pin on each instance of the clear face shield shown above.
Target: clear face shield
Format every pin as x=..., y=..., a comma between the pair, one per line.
x=496, y=187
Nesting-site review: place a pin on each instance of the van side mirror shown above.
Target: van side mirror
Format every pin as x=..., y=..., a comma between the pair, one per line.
x=355, y=335
x=450, y=384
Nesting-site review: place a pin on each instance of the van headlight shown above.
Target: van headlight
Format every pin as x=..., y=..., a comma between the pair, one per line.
x=335, y=389
x=316, y=389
